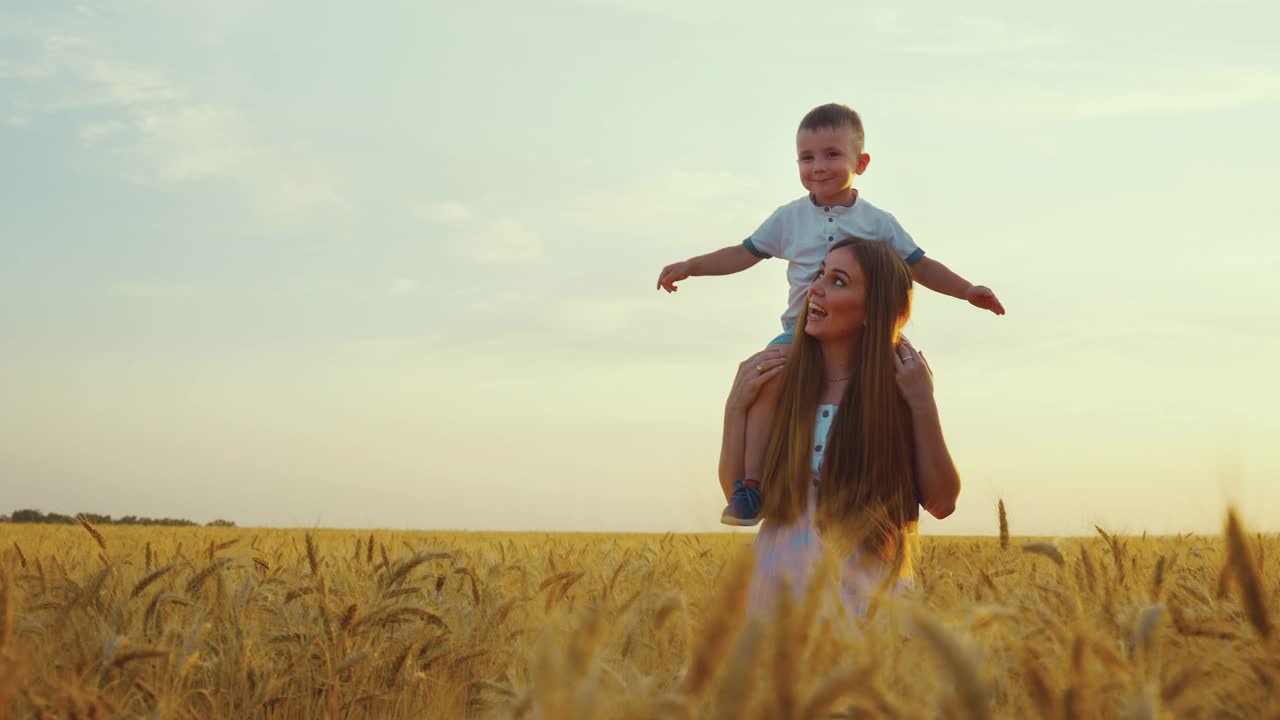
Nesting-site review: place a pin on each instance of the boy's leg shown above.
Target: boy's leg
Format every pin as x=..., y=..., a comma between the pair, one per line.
x=759, y=420
x=745, y=503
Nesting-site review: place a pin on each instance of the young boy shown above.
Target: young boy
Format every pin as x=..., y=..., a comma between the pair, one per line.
x=829, y=151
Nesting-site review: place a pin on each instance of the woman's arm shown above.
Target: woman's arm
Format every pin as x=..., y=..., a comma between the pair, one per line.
x=753, y=373
x=937, y=480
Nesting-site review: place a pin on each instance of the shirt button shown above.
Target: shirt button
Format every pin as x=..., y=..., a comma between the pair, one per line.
x=831, y=238
x=827, y=209
x=818, y=448
x=826, y=413
x=831, y=219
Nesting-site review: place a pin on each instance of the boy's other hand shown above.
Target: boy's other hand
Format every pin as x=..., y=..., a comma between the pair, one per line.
x=981, y=296
x=672, y=274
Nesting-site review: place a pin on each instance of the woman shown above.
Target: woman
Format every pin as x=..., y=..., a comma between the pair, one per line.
x=856, y=446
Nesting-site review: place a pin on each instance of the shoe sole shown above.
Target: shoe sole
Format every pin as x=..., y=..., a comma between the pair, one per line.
x=739, y=522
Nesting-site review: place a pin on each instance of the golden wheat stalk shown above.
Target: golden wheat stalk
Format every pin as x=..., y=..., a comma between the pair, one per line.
x=1246, y=573
x=671, y=604
x=1157, y=578
x=960, y=665
x=313, y=560
x=720, y=628
x=348, y=617
x=142, y=584
x=819, y=702
x=786, y=654
x=6, y=610
x=1004, y=525
x=1047, y=550
x=475, y=583
x=613, y=579
x=131, y=656
x=1145, y=629
x=199, y=579
x=1090, y=574
x=1074, y=698
x=97, y=536
x=1043, y=696
x=739, y=677
x=407, y=566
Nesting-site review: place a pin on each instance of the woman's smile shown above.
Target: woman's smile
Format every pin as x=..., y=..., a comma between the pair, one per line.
x=835, y=306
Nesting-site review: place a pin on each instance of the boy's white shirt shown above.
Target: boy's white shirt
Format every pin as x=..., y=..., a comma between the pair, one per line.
x=802, y=231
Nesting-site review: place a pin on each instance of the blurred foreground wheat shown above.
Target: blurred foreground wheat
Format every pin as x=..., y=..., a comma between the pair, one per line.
x=225, y=622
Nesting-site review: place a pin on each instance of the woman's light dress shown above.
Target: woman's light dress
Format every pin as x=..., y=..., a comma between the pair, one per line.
x=787, y=555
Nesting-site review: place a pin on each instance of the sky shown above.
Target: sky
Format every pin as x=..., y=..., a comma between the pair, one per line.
x=313, y=264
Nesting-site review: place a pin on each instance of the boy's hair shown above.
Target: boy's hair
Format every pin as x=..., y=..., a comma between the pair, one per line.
x=835, y=116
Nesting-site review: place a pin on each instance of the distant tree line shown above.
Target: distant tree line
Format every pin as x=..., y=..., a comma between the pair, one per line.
x=35, y=516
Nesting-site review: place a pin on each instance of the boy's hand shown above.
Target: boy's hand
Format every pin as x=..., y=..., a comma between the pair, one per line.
x=981, y=296
x=672, y=274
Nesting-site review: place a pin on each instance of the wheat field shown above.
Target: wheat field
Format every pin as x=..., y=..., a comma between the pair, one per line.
x=242, y=623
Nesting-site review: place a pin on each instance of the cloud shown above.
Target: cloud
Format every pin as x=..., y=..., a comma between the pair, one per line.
x=443, y=213
x=500, y=241
x=676, y=10
x=126, y=86
x=10, y=70
x=400, y=287
x=149, y=290
x=93, y=133
x=707, y=201
x=969, y=35
x=59, y=41
x=155, y=130
x=1188, y=91
x=182, y=141
x=1095, y=89
x=483, y=239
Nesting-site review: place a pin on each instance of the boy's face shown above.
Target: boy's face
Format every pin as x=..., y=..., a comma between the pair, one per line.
x=828, y=160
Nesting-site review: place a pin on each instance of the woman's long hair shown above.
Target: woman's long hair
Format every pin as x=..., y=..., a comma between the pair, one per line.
x=868, y=477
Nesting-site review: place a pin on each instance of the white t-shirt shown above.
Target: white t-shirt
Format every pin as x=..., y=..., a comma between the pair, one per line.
x=801, y=232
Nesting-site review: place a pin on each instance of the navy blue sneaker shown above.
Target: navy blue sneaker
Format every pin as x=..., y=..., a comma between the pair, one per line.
x=744, y=505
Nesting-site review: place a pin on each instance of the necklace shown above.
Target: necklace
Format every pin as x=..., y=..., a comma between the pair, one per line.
x=836, y=380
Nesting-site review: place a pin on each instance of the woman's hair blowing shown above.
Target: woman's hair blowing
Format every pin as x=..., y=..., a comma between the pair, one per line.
x=868, y=483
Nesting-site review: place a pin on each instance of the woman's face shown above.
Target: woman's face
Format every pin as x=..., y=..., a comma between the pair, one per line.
x=837, y=298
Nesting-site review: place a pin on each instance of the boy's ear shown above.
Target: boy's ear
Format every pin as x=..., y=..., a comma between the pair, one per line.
x=863, y=161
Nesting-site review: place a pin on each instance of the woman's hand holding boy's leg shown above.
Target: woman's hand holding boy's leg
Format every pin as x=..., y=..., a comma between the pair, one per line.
x=754, y=373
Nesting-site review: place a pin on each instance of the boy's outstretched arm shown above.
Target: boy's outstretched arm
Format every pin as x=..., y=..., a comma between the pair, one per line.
x=725, y=261
x=939, y=278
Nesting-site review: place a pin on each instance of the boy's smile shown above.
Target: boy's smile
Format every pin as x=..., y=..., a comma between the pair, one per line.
x=828, y=159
